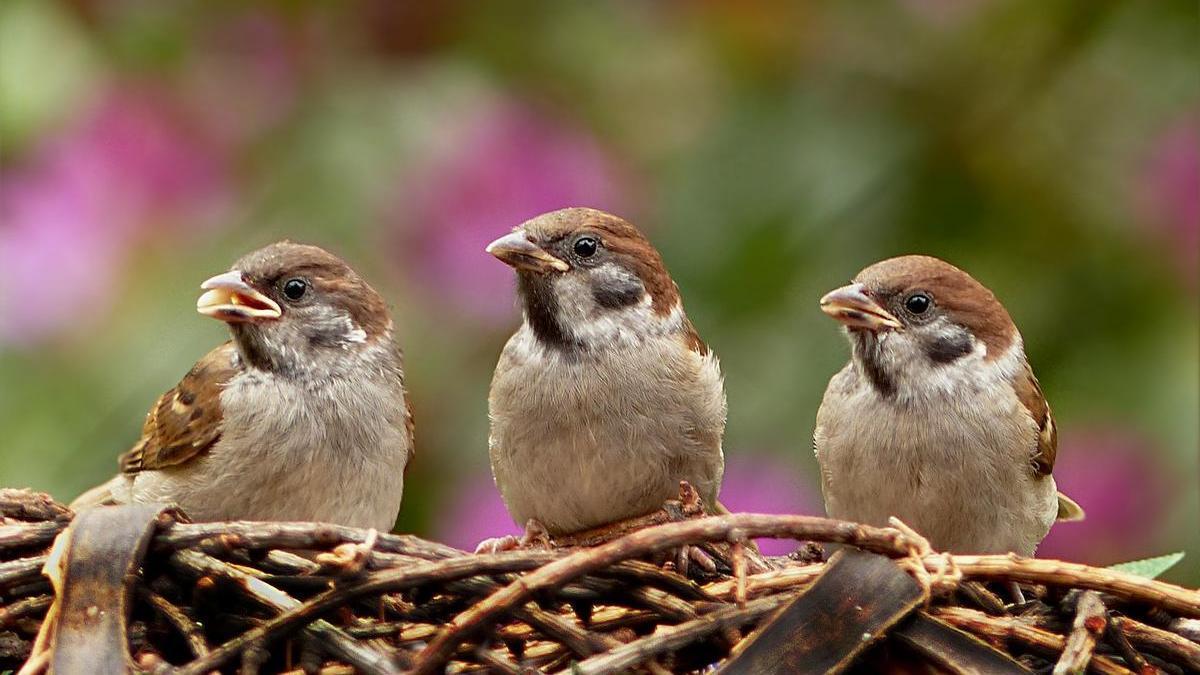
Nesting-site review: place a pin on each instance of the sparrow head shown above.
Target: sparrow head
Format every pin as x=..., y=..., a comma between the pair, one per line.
x=289, y=304
x=910, y=316
x=588, y=279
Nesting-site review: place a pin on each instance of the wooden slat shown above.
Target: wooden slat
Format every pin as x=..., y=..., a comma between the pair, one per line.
x=849, y=608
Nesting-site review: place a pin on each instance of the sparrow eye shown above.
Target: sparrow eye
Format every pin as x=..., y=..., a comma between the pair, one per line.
x=917, y=303
x=295, y=289
x=585, y=247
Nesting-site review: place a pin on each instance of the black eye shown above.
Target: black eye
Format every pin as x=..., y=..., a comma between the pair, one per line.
x=917, y=303
x=295, y=289
x=585, y=247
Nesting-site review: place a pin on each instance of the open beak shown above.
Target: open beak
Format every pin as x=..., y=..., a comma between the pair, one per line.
x=229, y=298
x=516, y=250
x=851, y=306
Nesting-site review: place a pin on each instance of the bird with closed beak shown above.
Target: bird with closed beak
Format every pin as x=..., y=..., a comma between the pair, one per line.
x=303, y=416
x=605, y=398
x=937, y=419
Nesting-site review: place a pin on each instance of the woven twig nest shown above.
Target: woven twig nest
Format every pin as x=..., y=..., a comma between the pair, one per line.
x=136, y=587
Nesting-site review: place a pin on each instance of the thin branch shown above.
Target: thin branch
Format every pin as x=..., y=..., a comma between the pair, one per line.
x=332, y=638
x=665, y=640
x=1160, y=642
x=1087, y=628
x=1123, y=585
x=1000, y=630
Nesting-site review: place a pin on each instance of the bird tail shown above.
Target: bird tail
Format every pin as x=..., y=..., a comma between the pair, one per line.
x=1068, y=509
x=105, y=494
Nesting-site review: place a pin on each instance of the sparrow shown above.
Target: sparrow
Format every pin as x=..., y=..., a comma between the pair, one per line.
x=302, y=416
x=938, y=418
x=605, y=398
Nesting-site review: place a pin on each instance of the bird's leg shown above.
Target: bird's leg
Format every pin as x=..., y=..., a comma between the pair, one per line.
x=535, y=536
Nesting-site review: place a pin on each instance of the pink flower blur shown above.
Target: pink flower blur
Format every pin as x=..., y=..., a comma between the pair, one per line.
x=1171, y=191
x=764, y=484
x=1111, y=474
x=510, y=165
x=68, y=217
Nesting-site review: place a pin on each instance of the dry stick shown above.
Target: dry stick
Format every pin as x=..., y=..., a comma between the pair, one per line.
x=383, y=581
x=23, y=608
x=786, y=578
x=1087, y=628
x=28, y=535
x=1160, y=642
x=1000, y=629
x=673, y=638
x=653, y=540
x=336, y=641
x=1123, y=585
x=254, y=535
x=21, y=570
x=190, y=630
x=1116, y=637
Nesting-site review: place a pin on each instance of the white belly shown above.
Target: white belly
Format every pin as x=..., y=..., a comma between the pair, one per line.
x=947, y=471
x=576, y=450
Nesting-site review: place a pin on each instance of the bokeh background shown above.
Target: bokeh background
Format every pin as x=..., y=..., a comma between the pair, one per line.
x=770, y=149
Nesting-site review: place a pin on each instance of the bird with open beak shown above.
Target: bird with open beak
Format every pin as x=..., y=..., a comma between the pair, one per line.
x=937, y=419
x=302, y=416
x=605, y=398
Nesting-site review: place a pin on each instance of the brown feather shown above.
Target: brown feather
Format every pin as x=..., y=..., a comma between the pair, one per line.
x=185, y=421
x=1029, y=393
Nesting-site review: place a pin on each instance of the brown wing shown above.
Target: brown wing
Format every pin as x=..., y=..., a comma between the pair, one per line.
x=1029, y=392
x=186, y=420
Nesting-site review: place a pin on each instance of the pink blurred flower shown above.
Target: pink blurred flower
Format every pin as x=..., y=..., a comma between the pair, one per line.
x=509, y=165
x=473, y=513
x=1170, y=191
x=1111, y=474
x=763, y=484
x=69, y=215
x=252, y=64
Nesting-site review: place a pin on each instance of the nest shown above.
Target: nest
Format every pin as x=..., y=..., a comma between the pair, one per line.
x=139, y=587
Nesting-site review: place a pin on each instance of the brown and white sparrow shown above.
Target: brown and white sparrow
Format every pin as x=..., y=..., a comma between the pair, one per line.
x=302, y=416
x=938, y=418
x=605, y=398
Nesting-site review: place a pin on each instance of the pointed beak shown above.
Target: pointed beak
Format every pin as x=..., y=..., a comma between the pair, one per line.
x=853, y=307
x=516, y=250
x=229, y=298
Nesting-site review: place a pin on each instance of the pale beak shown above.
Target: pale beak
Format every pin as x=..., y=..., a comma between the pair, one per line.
x=229, y=298
x=516, y=250
x=851, y=306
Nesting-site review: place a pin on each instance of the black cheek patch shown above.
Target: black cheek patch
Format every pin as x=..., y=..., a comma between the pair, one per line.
x=617, y=293
x=949, y=348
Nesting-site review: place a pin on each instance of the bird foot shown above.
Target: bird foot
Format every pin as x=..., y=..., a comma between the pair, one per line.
x=535, y=536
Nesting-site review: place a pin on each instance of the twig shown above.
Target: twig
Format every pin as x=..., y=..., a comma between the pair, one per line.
x=331, y=637
x=23, y=608
x=1087, y=628
x=653, y=540
x=188, y=629
x=29, y=535
x=21, y=570
x=665, y=640
x=1116, y=637
x=1160, y=642
x=1123, y=585
x=1003, y=629
x=253, y=535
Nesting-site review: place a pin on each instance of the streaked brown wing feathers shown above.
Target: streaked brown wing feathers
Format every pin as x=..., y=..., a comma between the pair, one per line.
x=186, y=420
x=1029, y=392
